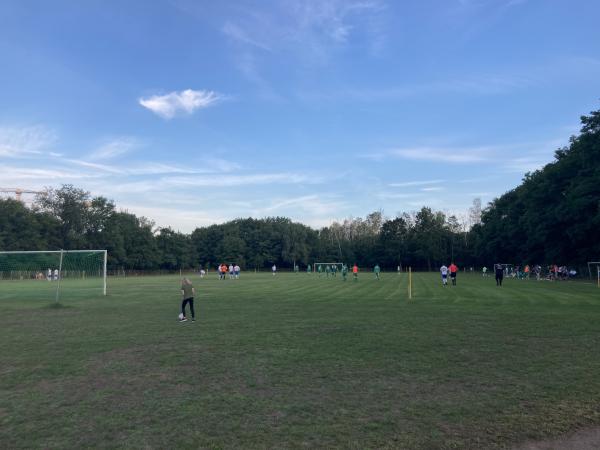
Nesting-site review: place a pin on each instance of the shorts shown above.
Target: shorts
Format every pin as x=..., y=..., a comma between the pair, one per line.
x=444, y=276
x=453, y=275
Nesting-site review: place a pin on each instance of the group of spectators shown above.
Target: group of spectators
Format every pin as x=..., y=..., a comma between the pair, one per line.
x=552, y=272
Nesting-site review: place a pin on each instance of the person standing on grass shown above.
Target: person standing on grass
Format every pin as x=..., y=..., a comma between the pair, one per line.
x=274, y=269
x=484, y=270
x=187, y=292
x=376, y=270
x=344, y=271
x=355, y=272
x=499, y=274
x=444, y=272
x=453, y=271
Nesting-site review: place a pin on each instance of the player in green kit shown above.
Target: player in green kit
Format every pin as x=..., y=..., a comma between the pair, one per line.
x=334, y=270
x=320, y=270
x=344, y=271
x=327, y=270
x=308, y=269
x=376, y=270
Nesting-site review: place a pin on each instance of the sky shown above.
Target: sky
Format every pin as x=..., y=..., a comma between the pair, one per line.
x=192, y=113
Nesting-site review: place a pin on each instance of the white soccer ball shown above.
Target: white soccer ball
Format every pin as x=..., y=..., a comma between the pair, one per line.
x=180, y=316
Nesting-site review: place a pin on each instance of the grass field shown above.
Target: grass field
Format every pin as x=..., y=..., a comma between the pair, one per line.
x=296, y=361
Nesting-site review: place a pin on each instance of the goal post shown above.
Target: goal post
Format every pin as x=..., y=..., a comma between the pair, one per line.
x=594, y=271
x=55, y=271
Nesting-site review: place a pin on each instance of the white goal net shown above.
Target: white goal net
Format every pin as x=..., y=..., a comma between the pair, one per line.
x=594, y=271
x=52, y=274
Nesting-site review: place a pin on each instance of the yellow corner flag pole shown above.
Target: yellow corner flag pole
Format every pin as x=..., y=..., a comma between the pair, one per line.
x=410, y=283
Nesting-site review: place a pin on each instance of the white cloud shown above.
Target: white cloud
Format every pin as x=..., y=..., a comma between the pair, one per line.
x=114, y=148
x=235, y=32
x=416, y=183
x=441, y=154
x=312, y=210
x=241, y=180
x=19, y=142
x=432, y=189
x=188, y=101
x=525, y=164
x=15, y=175
x=307, y=31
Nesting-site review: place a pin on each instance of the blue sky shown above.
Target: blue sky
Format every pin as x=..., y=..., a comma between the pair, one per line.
x=197, y=112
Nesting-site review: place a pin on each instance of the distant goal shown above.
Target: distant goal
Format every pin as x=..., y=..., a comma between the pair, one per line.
x=594, y=271
x=50, y=274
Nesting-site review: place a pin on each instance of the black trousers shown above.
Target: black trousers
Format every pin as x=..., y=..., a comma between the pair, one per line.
x=185, y=302
x=499, y=279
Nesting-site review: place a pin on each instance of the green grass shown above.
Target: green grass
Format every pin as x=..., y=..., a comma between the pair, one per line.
x=297, y=361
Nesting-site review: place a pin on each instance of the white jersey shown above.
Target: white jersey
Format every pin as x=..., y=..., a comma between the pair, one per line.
x=444, y=270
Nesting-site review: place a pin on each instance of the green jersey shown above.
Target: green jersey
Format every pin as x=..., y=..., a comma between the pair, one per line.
x=188, y=290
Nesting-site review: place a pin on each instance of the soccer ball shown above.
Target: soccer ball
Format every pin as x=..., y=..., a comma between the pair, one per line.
x=181, y=316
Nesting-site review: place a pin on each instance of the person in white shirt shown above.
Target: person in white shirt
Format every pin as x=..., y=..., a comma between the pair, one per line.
x=274, y=269
x=55, y=274
x=444, y=272
x=236, y=271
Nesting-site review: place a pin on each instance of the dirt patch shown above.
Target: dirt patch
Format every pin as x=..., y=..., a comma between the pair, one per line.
x=588, y=439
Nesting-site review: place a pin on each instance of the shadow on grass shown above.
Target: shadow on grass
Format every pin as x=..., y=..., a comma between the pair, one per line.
x=56, y=305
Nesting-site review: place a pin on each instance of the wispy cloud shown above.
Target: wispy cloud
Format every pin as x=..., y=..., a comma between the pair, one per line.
x=432, y=189
x=307, y=31
x=241, y=180
x=478, y=85
x=183, y=102
x=95, y=166
x=440, y=154
x=235, y=32
x=39, y=177
x=21, y=142
x=310, y=209
x=416, y=183
x=114, y=148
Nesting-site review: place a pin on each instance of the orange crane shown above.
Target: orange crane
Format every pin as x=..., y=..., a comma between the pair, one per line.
x=19, y=191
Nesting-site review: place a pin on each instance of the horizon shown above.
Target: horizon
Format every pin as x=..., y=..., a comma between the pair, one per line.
x=193, y=114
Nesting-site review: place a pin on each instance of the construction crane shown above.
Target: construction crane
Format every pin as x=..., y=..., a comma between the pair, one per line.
x=19, y=191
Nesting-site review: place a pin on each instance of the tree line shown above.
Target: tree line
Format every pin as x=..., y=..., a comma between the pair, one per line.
x=552, y=217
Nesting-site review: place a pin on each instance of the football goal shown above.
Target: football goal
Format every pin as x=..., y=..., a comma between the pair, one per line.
x=594, y=270
x=43, y=274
